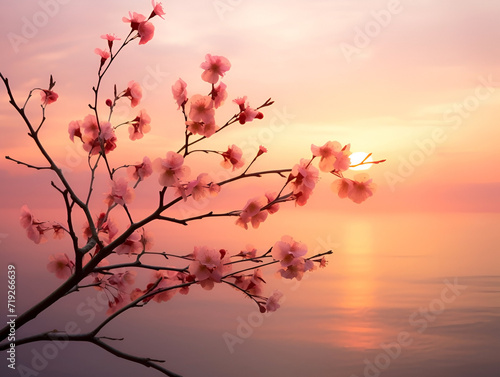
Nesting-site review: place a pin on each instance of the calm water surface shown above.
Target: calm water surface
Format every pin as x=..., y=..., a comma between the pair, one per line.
x=403, y=295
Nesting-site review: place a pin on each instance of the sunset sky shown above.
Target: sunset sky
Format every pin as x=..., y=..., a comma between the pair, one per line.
x=385, y=76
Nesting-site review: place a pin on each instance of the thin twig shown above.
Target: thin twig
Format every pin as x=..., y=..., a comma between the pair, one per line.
x=28, y=165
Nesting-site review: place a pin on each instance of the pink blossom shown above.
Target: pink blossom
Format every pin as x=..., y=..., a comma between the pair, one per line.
x=249, y=114
x=363, y=187
x=261, y=151
x=90, y=127
x=157, y=9
x=219, y=94
x=252, y=213
x=272, y=303
x=121, y=295
x=304, y=177
x=240, y=101
x=122, y=280
x=109, y=229
x=327, y=153
x=233, y=158
x=342, y=187
x=75, y=129
x=167, y=294
x=139, y=126
x=36, y=233
x=48, y=97
x=60, y=265
x=214, y=67
x=105, y=226
x=297, y=269
x=214, y=189
x=106, y=136
x=98, y=276
x=26, y=219
x=35, y=230
x=358, y=190
x=205, y=261
x=343, y=161
x=171, y=169
x=202, y=187
x=271, y=197
x=287, y=250
x=135, y=19
x=250, y=252
x=253, y=284
x=103, y=54
x=257, y=281
x=146, y=31
x=322, y=262
x=179, y=92
x=131, y=246
x=134, y=93
x=140, y=171
x=201, y=109
x=136, y=293
x=119, y=300
x=92, y=137
x=333, y=156
x=209, y=266
x=110, y=38
x=169, y=279
x=200, y=128
x=121, y=193
x=58, y=231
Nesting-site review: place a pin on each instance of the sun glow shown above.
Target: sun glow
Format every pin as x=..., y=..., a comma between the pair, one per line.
x=359, y=157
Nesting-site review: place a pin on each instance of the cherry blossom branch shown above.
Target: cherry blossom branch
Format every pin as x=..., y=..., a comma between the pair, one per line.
x=138, y=264
x=256, y=174
x=248, y=294
x=96, y=88
x=156, y=215
x=92, y=177
x=270, y=263
x=52, y=164
x=78, y=287
x=150, y=363
x=204, y=150
x=255, y=259
x=71, y=231
x=232, y=120
x=187, y=144
x=209, y=214
x=43, y=119
x=135, y=303
x=166, y=255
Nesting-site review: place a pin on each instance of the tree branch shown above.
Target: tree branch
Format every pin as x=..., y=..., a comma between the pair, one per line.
x=150, y=363
x=28, y=165
x=54, y=336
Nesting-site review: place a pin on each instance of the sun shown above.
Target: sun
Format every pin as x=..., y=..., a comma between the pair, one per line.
x=357, y=158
